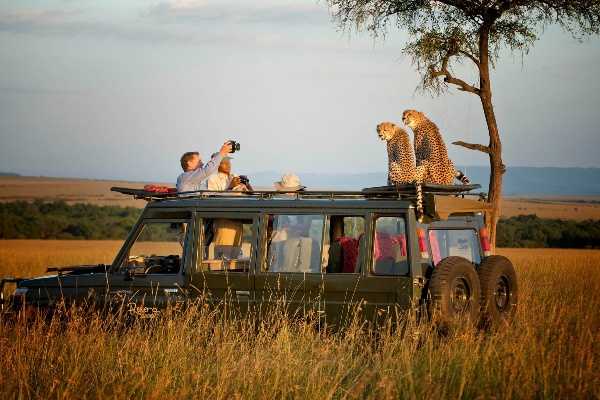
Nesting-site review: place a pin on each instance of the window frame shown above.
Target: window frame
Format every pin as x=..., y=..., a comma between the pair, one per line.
x=261, y=265
x=118, y=266
x=455, y=228
x=371, y=244
x=326, y=240
x=255, y=244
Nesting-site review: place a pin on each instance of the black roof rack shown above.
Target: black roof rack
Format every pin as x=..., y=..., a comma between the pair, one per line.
x=402, y=192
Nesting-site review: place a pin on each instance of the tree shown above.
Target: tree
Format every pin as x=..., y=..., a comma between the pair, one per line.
x=444, y=33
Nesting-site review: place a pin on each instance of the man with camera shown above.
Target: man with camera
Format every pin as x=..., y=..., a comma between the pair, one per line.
x=224, y=180
x=195, y=174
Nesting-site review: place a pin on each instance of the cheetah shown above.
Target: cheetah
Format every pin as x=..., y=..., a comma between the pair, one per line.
x=401, y=161
x=431, y=156
x=433, y=164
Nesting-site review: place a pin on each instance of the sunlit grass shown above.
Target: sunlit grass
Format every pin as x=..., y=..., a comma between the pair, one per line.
x=552, y=349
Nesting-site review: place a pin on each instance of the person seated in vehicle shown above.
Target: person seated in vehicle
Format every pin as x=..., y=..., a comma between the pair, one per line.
x=390, y=254
x=224, y=179
x=289, y=183
x=344, y=248
x=195, y=173
x=291, y=247
x=227, y=232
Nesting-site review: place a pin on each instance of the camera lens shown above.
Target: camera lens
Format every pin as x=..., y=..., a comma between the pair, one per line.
x=235, y=146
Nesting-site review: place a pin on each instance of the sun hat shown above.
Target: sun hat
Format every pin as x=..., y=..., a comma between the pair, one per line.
x=289, y=183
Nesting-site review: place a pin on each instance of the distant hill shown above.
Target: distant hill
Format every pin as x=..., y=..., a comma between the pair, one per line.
x=518, y=181
x=8, y=174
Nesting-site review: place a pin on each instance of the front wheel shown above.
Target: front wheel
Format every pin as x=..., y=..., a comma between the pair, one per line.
x=499, y=290
x=454, y=291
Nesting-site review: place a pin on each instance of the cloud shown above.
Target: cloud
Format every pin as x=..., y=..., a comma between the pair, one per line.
x=262, y=11
x=264, y=23
x=76, y=23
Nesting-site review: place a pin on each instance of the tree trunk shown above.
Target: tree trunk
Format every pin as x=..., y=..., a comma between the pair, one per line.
x=497, y=168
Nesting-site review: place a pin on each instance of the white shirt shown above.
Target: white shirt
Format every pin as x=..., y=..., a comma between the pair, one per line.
x=192, y=181
x=219, y=181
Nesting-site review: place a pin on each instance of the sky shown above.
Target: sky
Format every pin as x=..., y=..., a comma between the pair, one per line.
x=118, y=89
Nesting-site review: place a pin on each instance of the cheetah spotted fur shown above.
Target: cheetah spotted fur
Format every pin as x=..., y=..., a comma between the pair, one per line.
x=401, y=161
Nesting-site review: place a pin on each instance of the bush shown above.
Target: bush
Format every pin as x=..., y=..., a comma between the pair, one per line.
x=531, y=231
x=58, y=220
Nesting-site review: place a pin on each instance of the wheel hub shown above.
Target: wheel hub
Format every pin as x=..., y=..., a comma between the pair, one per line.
x=460, y=295
x=502, y=293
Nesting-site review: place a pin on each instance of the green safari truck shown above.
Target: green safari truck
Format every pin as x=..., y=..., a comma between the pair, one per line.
x=327, y=251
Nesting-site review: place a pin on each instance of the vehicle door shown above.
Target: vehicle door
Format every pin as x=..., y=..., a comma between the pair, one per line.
x=226, y=254
x=289, y=274
x=152, y=268
x=344, y=248
x=386, y=279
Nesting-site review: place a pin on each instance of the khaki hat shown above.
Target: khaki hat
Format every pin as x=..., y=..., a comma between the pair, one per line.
x=289, y=183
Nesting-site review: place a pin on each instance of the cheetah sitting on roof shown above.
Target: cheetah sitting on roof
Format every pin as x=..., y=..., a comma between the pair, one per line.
x=401, y=161
x=432, y=162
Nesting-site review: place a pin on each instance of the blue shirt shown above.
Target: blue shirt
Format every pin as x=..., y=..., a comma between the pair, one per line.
x=192, y=181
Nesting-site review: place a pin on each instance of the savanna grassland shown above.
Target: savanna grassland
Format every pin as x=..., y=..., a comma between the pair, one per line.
x=552, y=349
x=97, y=192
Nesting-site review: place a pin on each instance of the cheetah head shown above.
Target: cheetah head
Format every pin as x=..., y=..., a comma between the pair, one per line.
x=412, y=118
x=386, y=130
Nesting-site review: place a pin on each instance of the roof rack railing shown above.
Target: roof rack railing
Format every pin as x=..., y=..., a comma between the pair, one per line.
x=402, y=192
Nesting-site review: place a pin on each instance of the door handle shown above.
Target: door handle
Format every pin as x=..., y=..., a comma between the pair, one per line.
x=245, y=293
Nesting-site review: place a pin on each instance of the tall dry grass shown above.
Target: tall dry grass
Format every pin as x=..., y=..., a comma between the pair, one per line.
x=552, y=350
x=24, y=258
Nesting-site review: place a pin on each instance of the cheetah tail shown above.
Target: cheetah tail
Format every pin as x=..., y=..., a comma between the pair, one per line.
x=419, y=191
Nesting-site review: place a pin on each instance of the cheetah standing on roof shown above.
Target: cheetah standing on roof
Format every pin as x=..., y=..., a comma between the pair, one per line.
x=401, y=161
x=432, y=162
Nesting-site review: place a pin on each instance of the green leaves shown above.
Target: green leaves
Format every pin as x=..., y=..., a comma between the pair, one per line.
x=446, y=32
x=58, y=220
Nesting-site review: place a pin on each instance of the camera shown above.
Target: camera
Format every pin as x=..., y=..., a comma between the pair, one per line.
x=244, y=180
x=235, y=146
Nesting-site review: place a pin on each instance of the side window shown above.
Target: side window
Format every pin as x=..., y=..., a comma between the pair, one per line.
x=294, y=243
x=341, y=253
x=390, y=255
x=227, y=244
x=158, y=248
x=454, y=242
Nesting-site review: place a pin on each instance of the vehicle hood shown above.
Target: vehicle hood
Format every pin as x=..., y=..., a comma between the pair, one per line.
x=63, y=275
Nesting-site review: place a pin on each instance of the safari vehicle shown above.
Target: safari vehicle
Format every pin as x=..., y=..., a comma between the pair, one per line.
x=326, y=250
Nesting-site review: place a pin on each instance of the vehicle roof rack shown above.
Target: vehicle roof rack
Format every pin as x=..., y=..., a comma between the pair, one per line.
x=399, y=192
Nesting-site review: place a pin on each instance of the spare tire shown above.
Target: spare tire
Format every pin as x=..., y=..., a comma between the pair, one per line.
x=499, y=290
x=454, y=291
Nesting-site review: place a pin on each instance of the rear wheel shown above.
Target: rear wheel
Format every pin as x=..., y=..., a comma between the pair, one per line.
x=499, y=290
x=454, y=291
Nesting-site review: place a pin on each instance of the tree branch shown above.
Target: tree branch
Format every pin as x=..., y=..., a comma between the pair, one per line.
x=448, y=78
x=473, y=146
x=462, y=85
x=470, y=57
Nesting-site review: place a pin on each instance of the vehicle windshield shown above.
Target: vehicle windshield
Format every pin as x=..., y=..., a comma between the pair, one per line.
x=158, y=248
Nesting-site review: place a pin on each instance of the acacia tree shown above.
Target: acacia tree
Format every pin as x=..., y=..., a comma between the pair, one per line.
x=444, y=33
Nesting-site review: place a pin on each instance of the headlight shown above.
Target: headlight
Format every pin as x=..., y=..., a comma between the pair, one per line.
x=21, y=291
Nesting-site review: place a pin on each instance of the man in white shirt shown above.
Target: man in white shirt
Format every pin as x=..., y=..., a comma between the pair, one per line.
x=227, y=232
x=195, y=174
x=224, y=180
